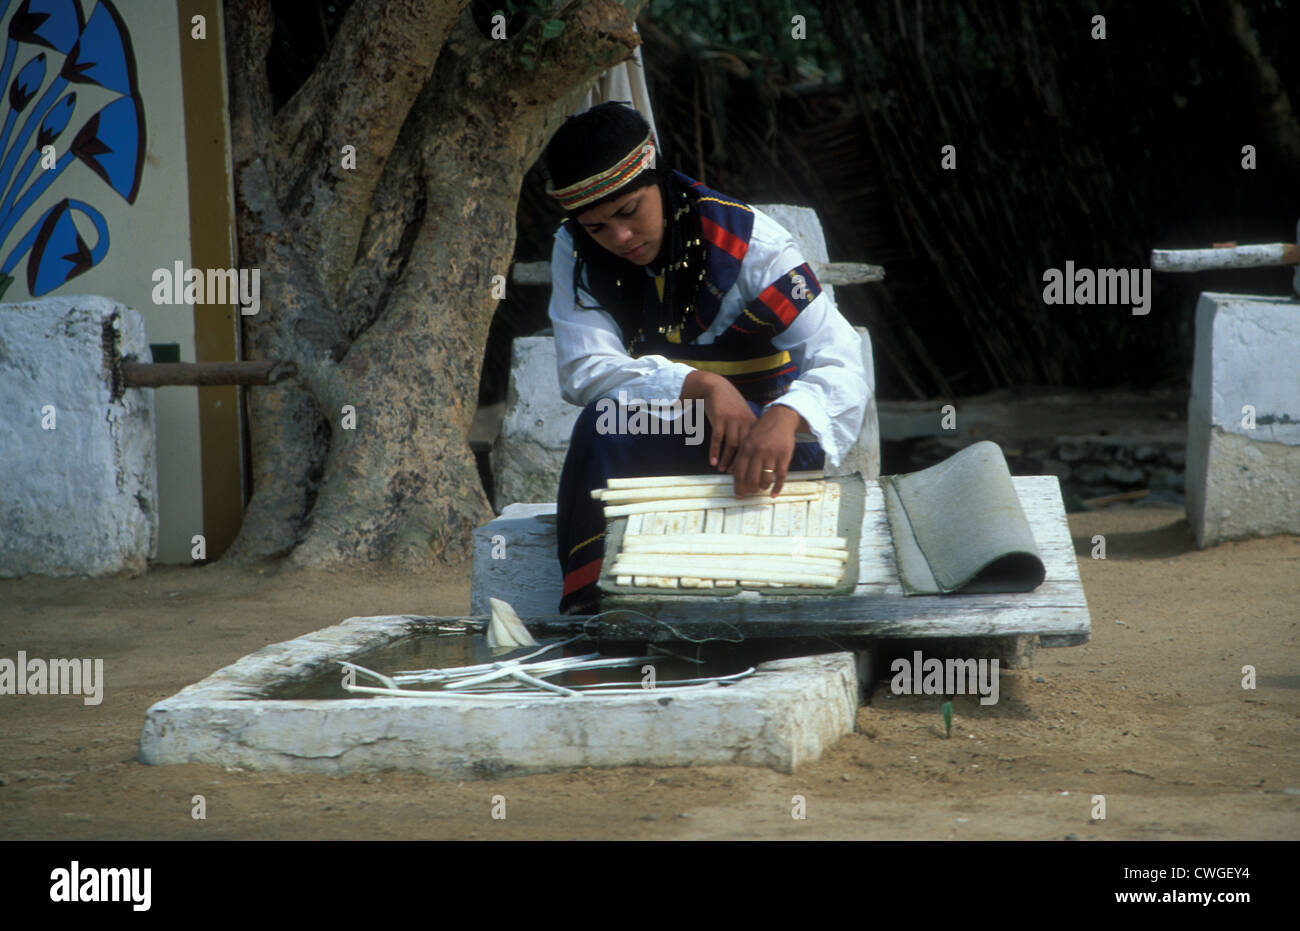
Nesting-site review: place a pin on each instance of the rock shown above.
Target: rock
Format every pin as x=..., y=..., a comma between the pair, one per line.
x=1164, y=478
x=1072, y=450
x=1054, y=467
x=1089, y=473
x=1121, y=475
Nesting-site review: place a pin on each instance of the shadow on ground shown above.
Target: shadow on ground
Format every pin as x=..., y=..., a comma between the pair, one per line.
x=1163, y=542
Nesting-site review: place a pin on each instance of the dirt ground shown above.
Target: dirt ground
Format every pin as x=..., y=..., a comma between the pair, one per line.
x=1151, y=714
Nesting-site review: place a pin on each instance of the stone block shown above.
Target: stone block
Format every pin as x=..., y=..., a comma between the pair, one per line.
x=515, y=560
x=528, y=454
x=1244, y=480
x=80, y=498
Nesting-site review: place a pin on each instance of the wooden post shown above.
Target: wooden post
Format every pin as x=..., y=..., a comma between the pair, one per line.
x=161, y=374
x=1228, y=256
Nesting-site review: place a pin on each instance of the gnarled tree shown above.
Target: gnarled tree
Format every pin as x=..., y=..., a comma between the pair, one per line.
x=377, y=275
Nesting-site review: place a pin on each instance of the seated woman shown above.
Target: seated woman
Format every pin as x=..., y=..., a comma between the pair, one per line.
x=664, y=290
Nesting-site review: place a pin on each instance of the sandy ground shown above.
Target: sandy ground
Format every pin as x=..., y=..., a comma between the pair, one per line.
x=1151, y=714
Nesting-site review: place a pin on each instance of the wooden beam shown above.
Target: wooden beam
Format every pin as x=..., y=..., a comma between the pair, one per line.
x=1227, y=256
x=162, y=374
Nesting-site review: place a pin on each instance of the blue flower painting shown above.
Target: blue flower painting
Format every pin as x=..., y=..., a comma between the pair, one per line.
x=110, y=142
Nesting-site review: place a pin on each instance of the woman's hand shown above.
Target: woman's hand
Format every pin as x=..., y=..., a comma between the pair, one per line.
x=728, y=412
x=766, y=451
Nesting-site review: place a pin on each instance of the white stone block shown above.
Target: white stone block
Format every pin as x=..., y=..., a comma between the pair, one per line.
x=864, y=456
x=528, y=455
x=80, y=498
x=1244, y=481
x=515, y=560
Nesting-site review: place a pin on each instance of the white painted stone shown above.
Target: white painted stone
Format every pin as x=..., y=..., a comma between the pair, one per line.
x=1244, y=482
x=528, y=455
x=81, y=498
x=527, y=574
x=783, y=716
x=864, y=455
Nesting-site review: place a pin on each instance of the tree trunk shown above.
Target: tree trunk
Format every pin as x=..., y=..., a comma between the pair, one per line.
x=377, y=279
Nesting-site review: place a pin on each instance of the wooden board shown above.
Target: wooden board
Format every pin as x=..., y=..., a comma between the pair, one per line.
x=1056, y=611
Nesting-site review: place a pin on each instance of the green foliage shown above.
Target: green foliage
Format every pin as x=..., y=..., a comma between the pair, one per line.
x=522, y=14
x=946, y=710
x=759, y=32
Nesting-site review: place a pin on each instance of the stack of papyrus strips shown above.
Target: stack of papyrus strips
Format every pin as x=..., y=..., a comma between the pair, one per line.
x=691, y=531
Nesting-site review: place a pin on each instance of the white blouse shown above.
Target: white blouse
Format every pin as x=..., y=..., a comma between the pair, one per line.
x=830, y=392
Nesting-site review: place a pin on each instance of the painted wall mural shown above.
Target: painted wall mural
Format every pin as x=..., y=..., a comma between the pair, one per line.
x=95, y=54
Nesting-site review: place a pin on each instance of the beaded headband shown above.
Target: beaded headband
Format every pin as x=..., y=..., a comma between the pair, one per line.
x=611, y=179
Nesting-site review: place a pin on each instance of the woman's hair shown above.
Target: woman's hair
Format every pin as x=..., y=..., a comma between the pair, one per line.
x=593, y=142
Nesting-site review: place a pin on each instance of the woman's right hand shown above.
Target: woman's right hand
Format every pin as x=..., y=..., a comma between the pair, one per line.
x=729, y=414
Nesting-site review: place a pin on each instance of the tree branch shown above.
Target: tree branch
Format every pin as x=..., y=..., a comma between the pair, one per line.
x=359, y=94
x=1271, y=98
x=248, y=40
x=597, y=36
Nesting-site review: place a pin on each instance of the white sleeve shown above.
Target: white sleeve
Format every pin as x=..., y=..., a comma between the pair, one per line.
x=831, y=392
x=590, y=358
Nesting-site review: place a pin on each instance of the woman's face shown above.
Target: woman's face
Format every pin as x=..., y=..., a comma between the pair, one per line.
x=631, y=226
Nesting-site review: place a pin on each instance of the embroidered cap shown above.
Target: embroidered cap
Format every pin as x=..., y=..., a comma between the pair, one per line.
x=595, y=155
x=592, y=189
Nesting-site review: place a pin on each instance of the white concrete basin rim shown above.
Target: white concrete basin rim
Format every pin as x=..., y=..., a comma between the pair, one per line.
x=245, y=682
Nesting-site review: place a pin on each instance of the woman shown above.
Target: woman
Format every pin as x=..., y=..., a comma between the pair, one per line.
x=664, y=289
